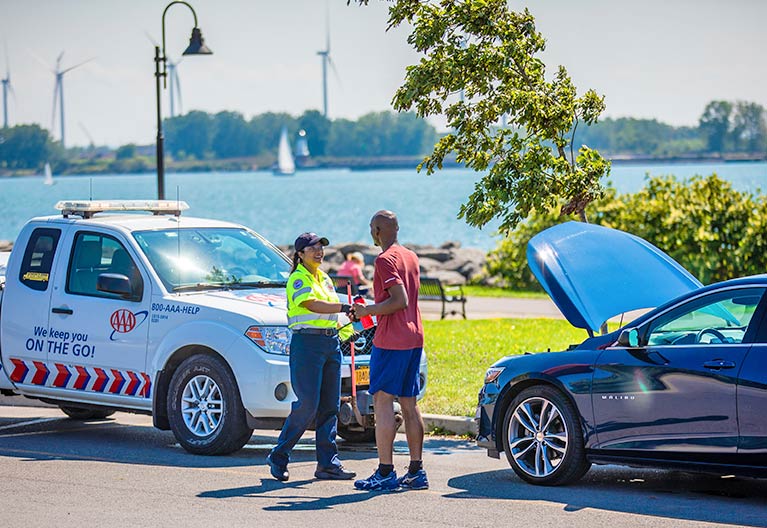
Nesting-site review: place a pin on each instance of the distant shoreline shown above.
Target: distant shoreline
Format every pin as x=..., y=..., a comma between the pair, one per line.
x=367, y=164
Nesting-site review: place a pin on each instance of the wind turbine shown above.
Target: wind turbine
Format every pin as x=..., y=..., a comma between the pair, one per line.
x=7, y=88
x=175, y=87
x=326, y=61
x=58, y=93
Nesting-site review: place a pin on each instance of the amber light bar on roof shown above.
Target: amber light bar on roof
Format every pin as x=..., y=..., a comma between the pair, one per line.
x=88, y=208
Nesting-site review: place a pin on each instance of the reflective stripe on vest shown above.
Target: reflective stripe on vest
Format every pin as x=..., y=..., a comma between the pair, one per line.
x=300, y=283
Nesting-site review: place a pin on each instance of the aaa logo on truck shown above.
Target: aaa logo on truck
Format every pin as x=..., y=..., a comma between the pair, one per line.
x=123, y=321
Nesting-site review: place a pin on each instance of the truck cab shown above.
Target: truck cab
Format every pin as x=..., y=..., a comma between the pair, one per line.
x=105, y=309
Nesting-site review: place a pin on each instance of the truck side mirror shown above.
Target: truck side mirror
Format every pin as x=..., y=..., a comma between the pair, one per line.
x=114, y=283
x=629, y=338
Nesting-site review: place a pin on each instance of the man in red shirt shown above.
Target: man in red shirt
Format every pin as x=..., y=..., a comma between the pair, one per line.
x=396, y=356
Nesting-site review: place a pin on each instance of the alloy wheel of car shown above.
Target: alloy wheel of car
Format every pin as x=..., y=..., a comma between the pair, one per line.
x=202, y=405
x=537, y=437
x=542, y=437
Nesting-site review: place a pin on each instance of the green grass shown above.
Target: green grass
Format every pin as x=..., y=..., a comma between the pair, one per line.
x=459, y=353
x=490, y=291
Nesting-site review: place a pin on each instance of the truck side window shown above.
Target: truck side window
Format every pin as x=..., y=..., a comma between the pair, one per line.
x=38, y=258
x=94, y=254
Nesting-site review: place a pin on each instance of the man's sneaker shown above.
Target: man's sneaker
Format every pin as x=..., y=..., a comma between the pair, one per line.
x=414, y=481
x=278, y=471
x=334, y=473
x=378, y=483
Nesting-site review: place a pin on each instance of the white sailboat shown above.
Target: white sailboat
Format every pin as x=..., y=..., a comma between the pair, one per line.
x=286, y=165
x=48, y=175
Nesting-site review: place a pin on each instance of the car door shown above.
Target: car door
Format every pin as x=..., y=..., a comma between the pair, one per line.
x=26, y=302
x=752, y=395
x=99, y=339
x=676, y=391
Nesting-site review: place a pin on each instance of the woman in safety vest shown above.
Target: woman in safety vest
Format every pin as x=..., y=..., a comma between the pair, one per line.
x=315, y=361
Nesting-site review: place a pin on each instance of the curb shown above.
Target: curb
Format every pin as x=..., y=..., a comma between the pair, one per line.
x=459, y=425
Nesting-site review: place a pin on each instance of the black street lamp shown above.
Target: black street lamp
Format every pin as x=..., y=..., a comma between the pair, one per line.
x=196, y=47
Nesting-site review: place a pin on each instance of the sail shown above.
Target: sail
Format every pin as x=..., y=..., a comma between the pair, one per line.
x=48, y=175
x=285, y=162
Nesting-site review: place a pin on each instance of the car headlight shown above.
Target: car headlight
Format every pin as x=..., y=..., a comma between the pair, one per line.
x=492, y=374
x=271, y=339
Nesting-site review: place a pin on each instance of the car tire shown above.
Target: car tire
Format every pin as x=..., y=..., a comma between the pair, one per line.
x=357, y=437
x=543, y=438
x=204, y=407
x=81, y=413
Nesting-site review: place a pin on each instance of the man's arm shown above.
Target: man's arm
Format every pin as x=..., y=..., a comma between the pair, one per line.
x=397, y=301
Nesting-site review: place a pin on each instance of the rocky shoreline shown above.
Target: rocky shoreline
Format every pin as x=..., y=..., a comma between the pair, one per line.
x=450, y=263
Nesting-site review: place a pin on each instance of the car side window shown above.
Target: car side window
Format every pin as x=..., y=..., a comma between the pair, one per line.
x=38, y=258
x=719, y=318
x=94, y=254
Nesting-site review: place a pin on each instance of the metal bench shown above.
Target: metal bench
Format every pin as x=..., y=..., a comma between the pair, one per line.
x=433, y=290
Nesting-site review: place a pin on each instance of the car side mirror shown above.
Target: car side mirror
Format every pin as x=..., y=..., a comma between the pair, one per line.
x=629, y=338
x=114, y=283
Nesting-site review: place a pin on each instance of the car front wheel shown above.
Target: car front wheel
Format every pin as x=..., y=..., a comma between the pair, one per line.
x=204, y=407
x=542, y=438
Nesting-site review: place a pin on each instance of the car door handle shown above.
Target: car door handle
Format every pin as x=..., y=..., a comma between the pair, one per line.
x=719, y=364
x=65, y=311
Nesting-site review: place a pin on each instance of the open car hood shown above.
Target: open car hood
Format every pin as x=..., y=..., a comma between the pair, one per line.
x=593, y=273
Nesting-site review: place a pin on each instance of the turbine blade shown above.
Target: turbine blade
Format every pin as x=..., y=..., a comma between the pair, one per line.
x=78, y=65
x=58, y=60
x=334, y=70
x=178, y=91
x=41, y=61
x=151, y=39
x=55, y=98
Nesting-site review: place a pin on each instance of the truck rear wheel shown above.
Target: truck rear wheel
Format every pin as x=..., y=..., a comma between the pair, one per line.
x=204, y=407
x=81, y=413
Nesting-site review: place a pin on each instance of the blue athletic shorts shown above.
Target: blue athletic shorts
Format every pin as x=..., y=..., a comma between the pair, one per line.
x=395, y=371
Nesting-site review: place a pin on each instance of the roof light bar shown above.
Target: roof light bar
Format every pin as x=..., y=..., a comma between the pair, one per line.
x=88, y=208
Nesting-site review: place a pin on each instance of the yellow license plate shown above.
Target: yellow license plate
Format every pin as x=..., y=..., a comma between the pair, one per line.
x=363, y=375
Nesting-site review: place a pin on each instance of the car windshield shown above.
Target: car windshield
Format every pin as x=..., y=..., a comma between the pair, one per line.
x=209, y=258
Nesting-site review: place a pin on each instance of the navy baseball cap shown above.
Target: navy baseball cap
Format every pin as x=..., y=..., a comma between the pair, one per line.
x=305, y=240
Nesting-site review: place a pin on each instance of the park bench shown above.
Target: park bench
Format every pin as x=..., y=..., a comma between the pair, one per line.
x=432, y=289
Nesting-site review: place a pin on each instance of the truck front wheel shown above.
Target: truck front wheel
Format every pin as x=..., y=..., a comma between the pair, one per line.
x=204, y=407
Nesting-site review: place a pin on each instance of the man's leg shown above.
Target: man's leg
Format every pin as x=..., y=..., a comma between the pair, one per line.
x=386, y=427
x=413, y=427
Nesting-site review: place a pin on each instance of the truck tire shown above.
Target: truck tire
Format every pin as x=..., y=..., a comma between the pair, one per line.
x=357, y=437
x=204, y=407
x=81, y=413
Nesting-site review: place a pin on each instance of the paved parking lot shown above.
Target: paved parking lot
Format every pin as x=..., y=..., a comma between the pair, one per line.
x=61, y=472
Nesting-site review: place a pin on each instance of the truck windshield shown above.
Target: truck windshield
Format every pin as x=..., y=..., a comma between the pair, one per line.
x=202, y=258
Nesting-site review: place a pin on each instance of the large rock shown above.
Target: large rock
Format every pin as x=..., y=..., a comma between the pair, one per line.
x=6, y=245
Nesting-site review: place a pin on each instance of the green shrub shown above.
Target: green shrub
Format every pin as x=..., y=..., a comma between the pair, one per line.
x=711, y=229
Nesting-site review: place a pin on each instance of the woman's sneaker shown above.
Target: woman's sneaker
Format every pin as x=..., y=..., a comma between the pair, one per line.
x=378, y=483
x=414, y=481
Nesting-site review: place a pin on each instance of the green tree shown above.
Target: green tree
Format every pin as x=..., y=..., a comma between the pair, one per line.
x=749, y=132
x=317, y=128
x=125, y=152
x=189, y=134
x=232, y=137
x=26, y=147
x=715, y=124
x=488, y=52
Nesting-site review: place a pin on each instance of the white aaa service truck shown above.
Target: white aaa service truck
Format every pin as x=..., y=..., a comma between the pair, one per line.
x=184, y=318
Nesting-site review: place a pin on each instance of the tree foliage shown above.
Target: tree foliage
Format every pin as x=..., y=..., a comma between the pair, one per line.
x=712, y=230
x=490, y=53
x=26, y=147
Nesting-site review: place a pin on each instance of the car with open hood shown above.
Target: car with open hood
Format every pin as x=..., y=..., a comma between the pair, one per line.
x=681, y=386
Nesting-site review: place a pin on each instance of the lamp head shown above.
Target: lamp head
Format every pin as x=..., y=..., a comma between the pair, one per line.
x=197, y=44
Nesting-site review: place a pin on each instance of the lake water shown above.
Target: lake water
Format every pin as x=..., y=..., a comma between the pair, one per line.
x=336, y=203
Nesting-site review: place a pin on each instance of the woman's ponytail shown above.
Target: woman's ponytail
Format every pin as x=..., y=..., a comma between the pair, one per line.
x=296, y=260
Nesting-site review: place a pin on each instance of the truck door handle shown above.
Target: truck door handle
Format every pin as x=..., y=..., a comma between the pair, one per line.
x=719, y=364
x=65, y=311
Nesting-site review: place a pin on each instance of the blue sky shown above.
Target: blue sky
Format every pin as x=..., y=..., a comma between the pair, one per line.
x=653, y=59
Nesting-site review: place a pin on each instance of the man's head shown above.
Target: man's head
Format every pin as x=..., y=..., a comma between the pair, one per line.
x=383, y=228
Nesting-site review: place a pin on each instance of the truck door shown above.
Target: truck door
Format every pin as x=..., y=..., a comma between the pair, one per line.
x=98, y=340
x=26, y=303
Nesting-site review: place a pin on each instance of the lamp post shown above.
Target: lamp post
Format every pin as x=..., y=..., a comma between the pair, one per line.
x=196, y=47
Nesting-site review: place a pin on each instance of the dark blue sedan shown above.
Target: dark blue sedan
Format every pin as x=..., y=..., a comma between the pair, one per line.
x=683, y=386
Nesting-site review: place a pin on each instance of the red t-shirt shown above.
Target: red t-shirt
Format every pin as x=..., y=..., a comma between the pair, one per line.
x=401, y=330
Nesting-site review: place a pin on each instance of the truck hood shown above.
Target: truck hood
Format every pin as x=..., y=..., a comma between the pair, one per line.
x=265, y=305
x=593, y=273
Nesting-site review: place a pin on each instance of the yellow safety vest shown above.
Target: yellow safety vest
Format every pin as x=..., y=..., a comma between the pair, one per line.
x=303, y=286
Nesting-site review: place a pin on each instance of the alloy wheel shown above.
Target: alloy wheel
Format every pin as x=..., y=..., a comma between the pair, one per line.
x=537, y=437
x=202, y=406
